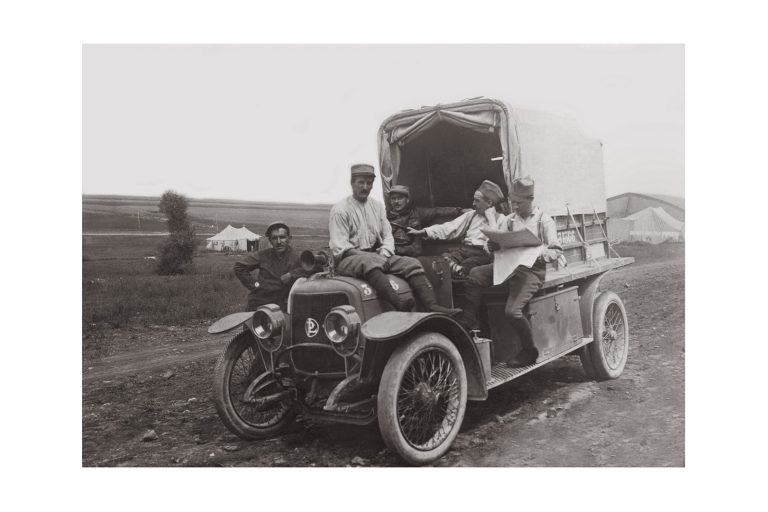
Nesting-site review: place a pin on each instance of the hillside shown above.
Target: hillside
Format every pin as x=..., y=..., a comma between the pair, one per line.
x=139, y=214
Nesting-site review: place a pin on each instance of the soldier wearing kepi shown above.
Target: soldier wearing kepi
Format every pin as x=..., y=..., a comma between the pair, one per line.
x=402, y=216
x=468, y=230
x=524, y=281
x=363, y=246
x=278, y=268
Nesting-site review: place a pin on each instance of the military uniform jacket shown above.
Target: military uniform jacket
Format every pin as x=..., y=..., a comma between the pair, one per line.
x=415, y=218
x=271, y=267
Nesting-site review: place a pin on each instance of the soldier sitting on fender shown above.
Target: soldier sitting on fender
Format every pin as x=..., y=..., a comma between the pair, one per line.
x=363, y=246
x=278, y=268
x=524, y=281
x=466, y=228
x=403, y=216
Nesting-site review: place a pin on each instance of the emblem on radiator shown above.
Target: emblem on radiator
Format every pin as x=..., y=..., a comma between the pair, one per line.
x=311, y=327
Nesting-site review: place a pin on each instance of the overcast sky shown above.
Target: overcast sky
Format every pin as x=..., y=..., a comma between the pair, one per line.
x=283, y=123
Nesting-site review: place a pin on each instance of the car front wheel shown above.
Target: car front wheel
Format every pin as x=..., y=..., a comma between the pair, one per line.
x=247, y=397
x=422, y=398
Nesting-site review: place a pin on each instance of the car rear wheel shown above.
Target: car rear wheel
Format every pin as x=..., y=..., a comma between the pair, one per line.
x=607, y=354
x=422, y=398
x=246, y=396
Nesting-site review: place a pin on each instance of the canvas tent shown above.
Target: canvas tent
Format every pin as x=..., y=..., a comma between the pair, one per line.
x=233, y=239
x=435, y=151
x=653, y=225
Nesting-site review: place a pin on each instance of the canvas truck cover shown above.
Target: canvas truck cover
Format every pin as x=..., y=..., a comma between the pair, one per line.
x=566, y=164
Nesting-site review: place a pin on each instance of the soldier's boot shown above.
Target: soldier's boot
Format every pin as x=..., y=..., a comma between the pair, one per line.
x=472, y=298
x=423, y=290
x=529, y=352
x=380, y=282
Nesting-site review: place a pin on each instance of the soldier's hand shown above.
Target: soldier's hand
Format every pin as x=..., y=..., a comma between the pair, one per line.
x=416, y=232
x=385, y=252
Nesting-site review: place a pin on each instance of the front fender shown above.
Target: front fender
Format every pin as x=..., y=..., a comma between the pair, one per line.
x=587, y=292
x=386, y=331
x=231, y=322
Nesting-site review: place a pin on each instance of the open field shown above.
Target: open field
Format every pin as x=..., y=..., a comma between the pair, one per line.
x=125, y=213
x=121, y=289
x=157, y=375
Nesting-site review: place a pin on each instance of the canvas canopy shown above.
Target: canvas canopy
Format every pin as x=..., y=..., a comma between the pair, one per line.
x=232, y=239
x=443, y=152
x=652, y=225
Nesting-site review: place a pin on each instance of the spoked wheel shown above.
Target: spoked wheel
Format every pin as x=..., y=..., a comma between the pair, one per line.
x=249, y=400
x=422, y=398
x=607, y=354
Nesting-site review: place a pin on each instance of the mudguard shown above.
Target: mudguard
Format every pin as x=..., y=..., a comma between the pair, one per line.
x=386, y=331
x=587, y=293
x=230, y=322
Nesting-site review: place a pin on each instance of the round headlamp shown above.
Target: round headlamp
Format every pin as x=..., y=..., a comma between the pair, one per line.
x=342, y=325
x=268, y=323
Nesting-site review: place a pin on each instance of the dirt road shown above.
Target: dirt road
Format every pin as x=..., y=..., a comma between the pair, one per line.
x=160, y=379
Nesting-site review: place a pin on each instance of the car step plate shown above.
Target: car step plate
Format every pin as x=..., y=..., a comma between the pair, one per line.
x=501, y=373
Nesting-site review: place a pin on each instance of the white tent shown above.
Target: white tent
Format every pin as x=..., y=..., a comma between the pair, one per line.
x=653, y=225
x=233, y=239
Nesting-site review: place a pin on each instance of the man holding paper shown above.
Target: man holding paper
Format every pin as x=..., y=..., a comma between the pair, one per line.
x=526, y=270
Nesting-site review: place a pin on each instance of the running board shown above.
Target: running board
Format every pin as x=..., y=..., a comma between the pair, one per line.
x=501, y=373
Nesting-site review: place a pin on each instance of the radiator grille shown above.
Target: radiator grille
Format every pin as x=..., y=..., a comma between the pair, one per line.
x=307, y=315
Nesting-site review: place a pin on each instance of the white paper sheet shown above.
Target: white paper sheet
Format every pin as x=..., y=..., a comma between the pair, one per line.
x=505, y=261
x=509, y=239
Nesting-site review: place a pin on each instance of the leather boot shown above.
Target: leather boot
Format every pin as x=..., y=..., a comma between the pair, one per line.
x=472, y=297
x=529, y=352
x=380, y=282
x=423, y=290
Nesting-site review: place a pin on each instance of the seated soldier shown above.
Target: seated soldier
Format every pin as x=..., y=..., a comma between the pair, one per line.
x=363, y=246
x=278, y=268
x=403, y=216
x=524, y=282
x=466, y=228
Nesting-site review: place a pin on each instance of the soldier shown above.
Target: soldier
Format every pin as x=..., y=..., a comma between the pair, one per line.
x=363, y=246
x=524, y=282
x=467, y=228
x=403, y=216
x=278, y=268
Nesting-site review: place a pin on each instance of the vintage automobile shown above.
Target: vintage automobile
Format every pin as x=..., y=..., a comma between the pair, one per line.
x=341, y=354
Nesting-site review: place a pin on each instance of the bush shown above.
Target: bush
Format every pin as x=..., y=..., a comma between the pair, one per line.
x=175, y=254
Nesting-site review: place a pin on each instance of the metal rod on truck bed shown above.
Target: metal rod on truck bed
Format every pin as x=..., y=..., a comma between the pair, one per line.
x=605, y=234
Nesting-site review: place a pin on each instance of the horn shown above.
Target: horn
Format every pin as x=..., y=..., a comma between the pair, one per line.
x=313, y=261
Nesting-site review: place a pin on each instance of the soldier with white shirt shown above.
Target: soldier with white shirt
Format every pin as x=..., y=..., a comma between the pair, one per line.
x=524, y=282
x=363, y=246
x=467, y=228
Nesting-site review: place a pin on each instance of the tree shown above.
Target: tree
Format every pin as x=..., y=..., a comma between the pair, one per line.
x=177, y=250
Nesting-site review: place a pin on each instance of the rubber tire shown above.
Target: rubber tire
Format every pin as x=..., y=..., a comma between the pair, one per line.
x=399, y=361
x=221, y=399
x=596, y=358
x=586, y=362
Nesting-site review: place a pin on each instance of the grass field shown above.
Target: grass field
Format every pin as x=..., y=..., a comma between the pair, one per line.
x=120, y=287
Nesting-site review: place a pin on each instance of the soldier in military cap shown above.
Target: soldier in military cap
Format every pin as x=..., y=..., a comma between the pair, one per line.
x=278, y=267
x=363, y=246
x=524, y=282
x=403, y=216
x=467, y=229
